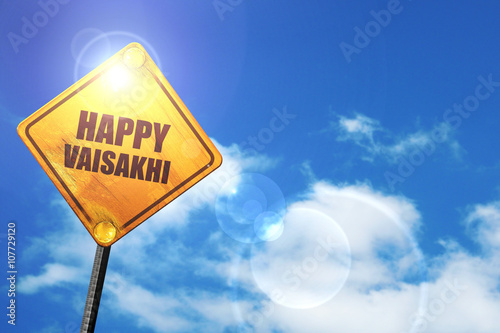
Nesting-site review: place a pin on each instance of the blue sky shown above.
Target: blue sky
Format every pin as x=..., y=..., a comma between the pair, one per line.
x=364, y=132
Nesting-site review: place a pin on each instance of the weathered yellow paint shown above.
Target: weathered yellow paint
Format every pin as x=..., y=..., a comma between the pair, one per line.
x=127, y=85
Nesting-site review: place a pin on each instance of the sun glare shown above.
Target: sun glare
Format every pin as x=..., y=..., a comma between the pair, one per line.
x=118, y=77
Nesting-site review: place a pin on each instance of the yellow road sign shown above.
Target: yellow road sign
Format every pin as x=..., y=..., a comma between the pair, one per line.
x=119, y=144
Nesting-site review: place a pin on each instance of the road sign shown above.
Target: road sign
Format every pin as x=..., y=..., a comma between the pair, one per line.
x=119, y=144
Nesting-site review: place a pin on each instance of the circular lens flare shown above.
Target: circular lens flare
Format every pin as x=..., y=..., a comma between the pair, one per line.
x=268, y=226
x=305, y=267
x=250, y=208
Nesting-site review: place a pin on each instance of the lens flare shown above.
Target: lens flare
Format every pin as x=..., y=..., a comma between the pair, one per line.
x=250, y=208
x=118, y=77
x=308, y=265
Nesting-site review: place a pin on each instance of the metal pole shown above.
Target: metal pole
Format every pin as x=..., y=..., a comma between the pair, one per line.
x=95, y=289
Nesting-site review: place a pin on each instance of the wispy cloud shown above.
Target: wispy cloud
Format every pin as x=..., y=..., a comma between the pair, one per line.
x=483, y=222
x=52, y=275
x=180, y=310
x=359, y=129
x=379, y=142
x=151, y=309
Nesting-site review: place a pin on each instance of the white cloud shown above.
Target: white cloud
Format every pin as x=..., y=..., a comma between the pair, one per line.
x=181, y=310
x=225, y=284
x=360, y=124
x=150, y=309
x=372, y=223
x=383, y=293
x=378, y=142
x=465, y=293
x=360, y=130
x=54, y=328
x=484, y=223
x=307, y=171
x=53, y=275
x=216, y=309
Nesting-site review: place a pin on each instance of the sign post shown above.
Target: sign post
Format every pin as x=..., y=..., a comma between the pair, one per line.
x=119, y=145
x=95, y=289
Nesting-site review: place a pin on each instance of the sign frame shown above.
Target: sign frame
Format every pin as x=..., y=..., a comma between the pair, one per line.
x=27, y=127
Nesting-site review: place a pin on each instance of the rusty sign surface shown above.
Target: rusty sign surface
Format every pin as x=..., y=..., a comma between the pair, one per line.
x=119, y=144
